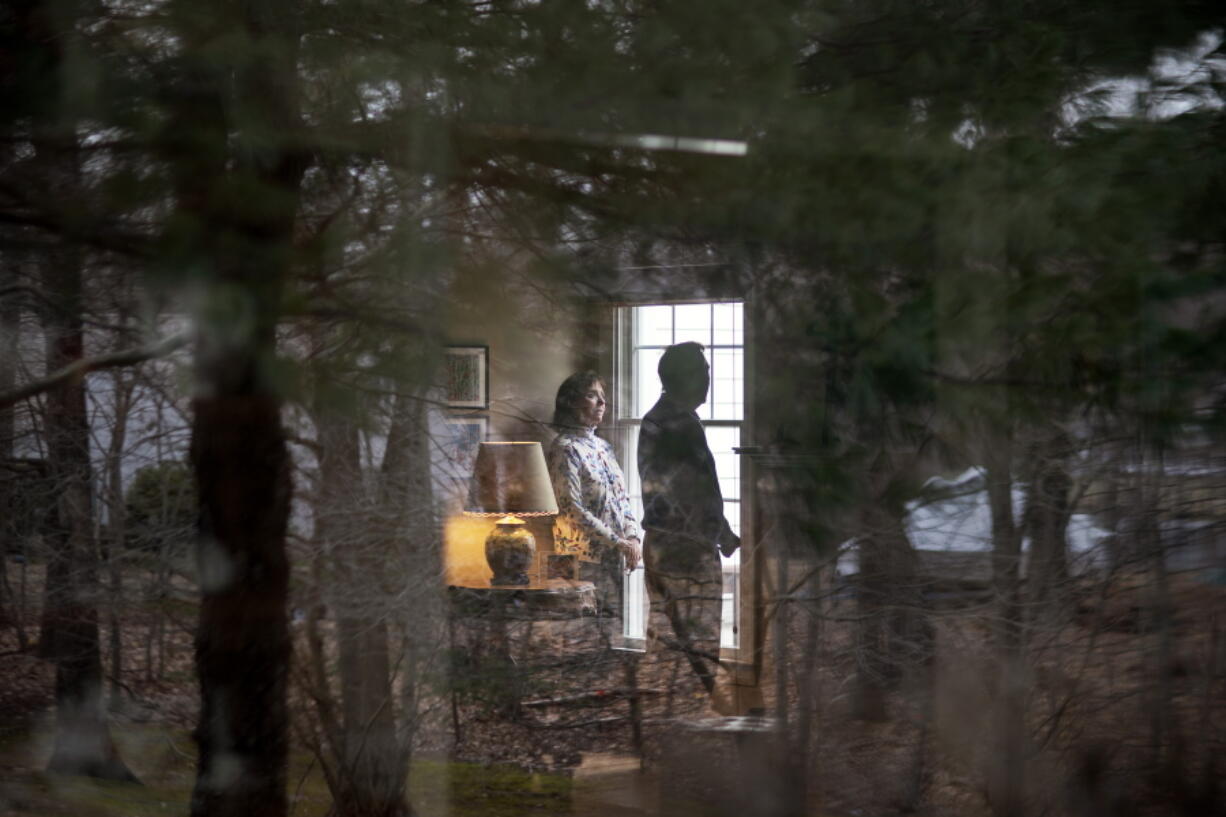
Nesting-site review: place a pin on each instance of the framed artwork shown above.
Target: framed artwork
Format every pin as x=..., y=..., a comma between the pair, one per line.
x=465, y=433
x=466, y=377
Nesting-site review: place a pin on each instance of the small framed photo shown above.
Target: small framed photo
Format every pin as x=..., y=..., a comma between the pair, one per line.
x=466, y=377
x=560, y=566
x=465, y=433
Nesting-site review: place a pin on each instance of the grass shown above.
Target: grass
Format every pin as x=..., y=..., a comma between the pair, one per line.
x=438, y=788
x=164, y=759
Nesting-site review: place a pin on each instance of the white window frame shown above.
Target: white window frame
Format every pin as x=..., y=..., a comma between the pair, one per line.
x=626, y=427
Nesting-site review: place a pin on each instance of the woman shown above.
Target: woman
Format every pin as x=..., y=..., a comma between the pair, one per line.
x=594, y=518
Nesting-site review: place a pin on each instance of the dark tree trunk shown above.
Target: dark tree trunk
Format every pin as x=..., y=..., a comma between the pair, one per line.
x=1007, y=772
x=10, y=615
x=1157, y=618
x=894, y=636
x=242, y=639
x=233, y=115
x=873, y=671
x=1046, y=520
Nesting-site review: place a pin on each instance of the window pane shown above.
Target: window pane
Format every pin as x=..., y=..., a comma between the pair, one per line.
x=727, y=324
x=630, y=467
x=653, y=326
x=727, y=464
x=693, y=323
x=634, y=620
x=732, y=588
x=727, y=632
x=713, y=325
x=727, y=385
x=646, y=382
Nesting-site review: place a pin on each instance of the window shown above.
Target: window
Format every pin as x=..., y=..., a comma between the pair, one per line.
x=643, y=332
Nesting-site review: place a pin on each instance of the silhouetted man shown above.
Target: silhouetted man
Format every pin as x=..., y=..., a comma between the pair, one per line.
x=683, y=511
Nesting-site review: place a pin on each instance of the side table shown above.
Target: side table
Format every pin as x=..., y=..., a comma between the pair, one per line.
x=480, y=627
x=548, y=599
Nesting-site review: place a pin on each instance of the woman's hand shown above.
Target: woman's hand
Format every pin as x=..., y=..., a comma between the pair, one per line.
x=631, y=550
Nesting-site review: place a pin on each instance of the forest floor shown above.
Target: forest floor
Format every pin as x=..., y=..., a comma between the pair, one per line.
x=1124, y=716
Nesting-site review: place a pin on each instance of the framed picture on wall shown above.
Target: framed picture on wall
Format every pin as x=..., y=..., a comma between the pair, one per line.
x=466, y=377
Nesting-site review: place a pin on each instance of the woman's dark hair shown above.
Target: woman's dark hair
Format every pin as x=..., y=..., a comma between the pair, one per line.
x=570, y=393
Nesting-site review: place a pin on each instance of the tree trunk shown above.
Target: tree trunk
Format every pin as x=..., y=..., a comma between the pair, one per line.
x=9, y=317
x=115, y=530
x=1158, y=610
x=233, y=117
x=83, y=742
x=370, y=781
x=242, y=640
x=873, y=676
x=1046, y=520
x=893, y=635
x=413, y=534
x=373, y=780
x=1007, y=767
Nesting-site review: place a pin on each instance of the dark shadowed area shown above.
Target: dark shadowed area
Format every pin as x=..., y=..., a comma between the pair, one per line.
x=340, y=473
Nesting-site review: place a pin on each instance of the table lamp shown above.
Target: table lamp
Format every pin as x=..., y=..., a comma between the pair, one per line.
x=510, y=481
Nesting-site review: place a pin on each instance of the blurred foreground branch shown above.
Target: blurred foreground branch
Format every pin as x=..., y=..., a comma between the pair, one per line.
x=84, y=366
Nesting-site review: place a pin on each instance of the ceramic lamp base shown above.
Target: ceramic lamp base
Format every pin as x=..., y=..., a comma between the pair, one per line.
x=510, y=551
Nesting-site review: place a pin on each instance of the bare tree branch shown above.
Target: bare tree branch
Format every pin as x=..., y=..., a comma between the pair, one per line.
x=80, y=368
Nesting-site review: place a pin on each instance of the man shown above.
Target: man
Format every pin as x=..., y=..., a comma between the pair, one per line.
x=683, y=511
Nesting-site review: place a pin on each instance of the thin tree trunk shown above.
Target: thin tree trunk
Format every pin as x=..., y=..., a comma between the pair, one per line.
x=1158, y=613
x=116, y=531
x=873, y=675
x=894, y=635
x=414, y=534
x=1008, y=765
x=151, y=640
x=808, y=691
x=1046, y=520
x=83, y=742
x=9, y=317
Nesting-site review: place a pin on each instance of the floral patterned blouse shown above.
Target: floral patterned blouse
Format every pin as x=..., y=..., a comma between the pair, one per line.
x=593, y=506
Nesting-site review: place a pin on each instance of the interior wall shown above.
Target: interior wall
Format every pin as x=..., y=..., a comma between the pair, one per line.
x=536, y=337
